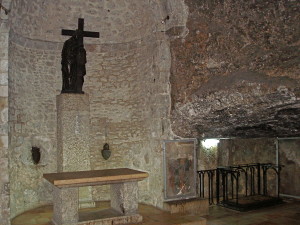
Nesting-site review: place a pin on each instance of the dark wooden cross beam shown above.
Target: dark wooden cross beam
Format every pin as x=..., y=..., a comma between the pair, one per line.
x=80, y=28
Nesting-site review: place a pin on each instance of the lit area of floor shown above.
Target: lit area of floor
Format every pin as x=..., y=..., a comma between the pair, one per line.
x=287, y=213
x=283, y=214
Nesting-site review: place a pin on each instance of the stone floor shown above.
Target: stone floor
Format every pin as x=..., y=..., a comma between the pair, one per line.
x=287, y=213
x=284, y=214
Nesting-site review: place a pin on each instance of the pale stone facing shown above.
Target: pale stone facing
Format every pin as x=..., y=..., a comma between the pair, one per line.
x=73, y=125
x=127, y=80
x=65, y=206
x=198, y=206
x=137, y=218
x=124, y=197
x=3, y=91
x=4, y=157
x=73, y=102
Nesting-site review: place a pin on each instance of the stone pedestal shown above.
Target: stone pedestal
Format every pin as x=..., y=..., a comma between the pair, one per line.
x=65, y=206
x=73, y=124
x=124, y=197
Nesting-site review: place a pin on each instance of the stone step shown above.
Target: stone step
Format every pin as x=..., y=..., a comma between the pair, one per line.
x=194, y=206
x=201, y=221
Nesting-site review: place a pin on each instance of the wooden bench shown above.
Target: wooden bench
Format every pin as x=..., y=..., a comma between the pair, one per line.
x=124, y=194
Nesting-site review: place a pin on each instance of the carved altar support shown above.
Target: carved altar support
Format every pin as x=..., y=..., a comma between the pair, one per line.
x=124, y=195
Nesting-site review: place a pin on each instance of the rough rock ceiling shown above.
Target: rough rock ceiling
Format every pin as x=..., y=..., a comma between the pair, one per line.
x=243, y=104
x=236, y=72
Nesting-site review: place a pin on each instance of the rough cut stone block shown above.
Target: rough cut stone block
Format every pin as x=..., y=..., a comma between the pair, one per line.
x=73, y=115
x=120, y=220
x=65, y=206
x=124, y=197
x=200, y=221
x=73, y=125
x=196, y=206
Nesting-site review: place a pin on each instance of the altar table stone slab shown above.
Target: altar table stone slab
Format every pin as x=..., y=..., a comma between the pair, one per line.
x=94, y=177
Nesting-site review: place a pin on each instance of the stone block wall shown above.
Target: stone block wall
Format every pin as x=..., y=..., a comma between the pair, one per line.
x=4, y=159
x=257, y=150
x=33, y=84
x=243, y=151
x=239, y=151
x=247, y=151
x=129, y=107
x=289, y=156
x=127, y=80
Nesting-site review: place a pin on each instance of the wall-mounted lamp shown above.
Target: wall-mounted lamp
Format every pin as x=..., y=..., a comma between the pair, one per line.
x=36, y=155
x=165, y=19
x=106, y=152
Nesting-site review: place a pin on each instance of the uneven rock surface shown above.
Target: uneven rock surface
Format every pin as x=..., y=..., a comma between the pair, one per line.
x=236, y=72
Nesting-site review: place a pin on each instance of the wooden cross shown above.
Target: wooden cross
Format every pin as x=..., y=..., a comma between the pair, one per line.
x=80, y=28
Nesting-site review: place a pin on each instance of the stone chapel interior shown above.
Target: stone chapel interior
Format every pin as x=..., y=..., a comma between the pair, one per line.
x=163, y=75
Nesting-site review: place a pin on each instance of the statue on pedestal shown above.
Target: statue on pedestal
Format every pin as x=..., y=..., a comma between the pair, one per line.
x=73, y=59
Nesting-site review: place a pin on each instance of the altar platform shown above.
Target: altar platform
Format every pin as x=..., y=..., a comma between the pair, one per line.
x=151, y=216
x=287, y=213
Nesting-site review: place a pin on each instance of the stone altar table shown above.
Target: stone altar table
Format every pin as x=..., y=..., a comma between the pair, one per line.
x=124, y=195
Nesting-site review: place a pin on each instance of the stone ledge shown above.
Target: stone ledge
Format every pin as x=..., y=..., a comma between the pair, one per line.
x=198, y=206
x=201, y=221
x=136, y=218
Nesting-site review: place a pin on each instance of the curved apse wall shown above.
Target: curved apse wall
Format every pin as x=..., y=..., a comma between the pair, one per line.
x=127, y=80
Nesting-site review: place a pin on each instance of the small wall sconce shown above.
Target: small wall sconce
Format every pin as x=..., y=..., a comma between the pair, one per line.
x=165, y=19
x=36, y=155
x=106, y=152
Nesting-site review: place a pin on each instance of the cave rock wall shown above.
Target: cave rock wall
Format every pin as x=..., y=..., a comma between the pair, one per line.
x=236, y=71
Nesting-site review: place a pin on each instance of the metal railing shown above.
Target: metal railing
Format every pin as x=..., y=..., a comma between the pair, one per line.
x=223, y=184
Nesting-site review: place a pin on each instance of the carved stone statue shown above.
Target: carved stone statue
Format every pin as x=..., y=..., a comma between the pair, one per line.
x=73, y=58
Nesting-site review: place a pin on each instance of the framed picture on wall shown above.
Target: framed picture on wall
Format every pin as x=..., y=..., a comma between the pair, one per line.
x=180, y=169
